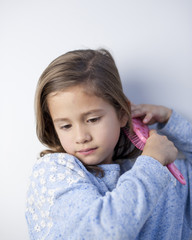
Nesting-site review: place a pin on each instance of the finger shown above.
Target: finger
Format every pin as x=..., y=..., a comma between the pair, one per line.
x=137, y=111
x=133, y=105
x=152, y=131
x=147, y=118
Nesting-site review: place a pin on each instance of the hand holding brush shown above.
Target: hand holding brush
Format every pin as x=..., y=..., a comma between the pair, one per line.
x=151, y=143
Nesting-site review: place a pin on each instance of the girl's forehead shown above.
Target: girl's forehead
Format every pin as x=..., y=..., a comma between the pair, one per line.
x=76, y=102
x=84, y=88
x=81, y=95
x=77, y=99
x=77, y=95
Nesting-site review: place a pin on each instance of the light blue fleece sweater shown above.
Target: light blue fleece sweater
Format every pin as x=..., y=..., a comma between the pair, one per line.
x=134, y=200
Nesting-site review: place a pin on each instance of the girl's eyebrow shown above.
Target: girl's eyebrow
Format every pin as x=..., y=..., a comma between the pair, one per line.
x=93, y=111
x=57, y=120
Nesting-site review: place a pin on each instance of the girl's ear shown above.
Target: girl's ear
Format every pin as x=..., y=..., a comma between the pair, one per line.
x=123, y=119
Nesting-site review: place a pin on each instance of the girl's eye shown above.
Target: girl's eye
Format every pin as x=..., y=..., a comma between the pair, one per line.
x=93, y=120
x=66, y=127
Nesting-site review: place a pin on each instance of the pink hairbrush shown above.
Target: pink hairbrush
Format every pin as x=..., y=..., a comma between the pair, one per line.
x=139, y=138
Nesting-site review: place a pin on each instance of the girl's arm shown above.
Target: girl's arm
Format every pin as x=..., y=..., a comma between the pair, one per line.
x=67, y=202
x=179, y=130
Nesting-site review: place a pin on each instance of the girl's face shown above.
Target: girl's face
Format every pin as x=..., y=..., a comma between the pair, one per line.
x=87, y=126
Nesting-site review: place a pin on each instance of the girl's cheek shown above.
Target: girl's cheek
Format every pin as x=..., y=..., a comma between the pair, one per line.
x=66, y=144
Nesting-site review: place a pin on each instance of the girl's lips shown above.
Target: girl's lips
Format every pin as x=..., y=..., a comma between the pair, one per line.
x=87, y=151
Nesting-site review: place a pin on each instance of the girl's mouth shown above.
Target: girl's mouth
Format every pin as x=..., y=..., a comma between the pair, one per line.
x=87, y=151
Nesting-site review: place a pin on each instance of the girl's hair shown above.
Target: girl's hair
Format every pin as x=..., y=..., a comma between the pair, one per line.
x=97, y=71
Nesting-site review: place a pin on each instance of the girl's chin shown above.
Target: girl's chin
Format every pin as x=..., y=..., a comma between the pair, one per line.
x=88, y=160
x=93, y=162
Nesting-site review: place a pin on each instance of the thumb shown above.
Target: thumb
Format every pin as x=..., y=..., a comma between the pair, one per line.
x=153, y=131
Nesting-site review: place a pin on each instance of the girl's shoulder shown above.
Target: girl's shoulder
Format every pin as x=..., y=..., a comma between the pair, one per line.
x=52, y=176
x=53, y=164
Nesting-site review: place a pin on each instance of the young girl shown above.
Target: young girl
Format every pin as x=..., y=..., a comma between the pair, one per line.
x=91, y=183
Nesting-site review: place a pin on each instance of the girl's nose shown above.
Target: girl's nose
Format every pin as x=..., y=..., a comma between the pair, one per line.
x=82, y=135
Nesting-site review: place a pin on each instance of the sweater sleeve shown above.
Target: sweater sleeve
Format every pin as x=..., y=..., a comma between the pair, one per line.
x=64, y=202
x=179, y=130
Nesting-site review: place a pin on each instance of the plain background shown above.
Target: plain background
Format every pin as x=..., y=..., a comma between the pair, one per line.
x=151, y=42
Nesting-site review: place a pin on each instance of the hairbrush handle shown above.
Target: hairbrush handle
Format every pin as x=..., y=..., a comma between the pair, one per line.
x=141, y=134
x=176, y=173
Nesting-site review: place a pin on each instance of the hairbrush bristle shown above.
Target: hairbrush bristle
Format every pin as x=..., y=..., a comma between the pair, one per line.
x=134, y=139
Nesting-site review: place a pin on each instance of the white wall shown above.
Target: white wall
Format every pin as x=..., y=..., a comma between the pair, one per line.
x=151, y=42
